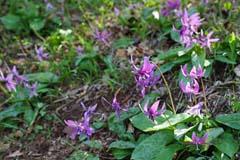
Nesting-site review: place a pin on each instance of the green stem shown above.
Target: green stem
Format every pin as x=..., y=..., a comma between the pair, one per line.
x=204, y=95
x=4, y=90
x=169, y=93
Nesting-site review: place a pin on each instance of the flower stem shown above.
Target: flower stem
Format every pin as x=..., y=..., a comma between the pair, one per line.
x=204, y=95
x=4, y=90
x=169, y=93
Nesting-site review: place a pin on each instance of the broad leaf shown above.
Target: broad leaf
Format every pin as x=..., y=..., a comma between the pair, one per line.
x=12, y=22
x=122, y=145
x=122, y=43
x=154, y=147
x=143, y=123
x=77, y=155
x=43, y=77
x=214, y=133
x=227, y=144
x=37, y=24
x=231, y=120
x=168, y=152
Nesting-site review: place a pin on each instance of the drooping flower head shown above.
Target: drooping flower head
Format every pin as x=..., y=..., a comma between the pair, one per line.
x=40, y=54
x=75, y=128
x=9, y=81
x=116, y=11
x=32, y=89
x=199, y=140
x=195, y=110
x=116, y=105
x=144, y=75
x=19, y=78
x=206, y=40
x=190, y=25
x=152, y=112
x=79, y=50
x=102, y=36
x=195, y=73
x=87, y=129
x=170, y=6
x=190, y=87
x=49, y=5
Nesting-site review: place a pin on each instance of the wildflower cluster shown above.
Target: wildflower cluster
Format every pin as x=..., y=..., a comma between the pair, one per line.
x=82, y=127
x=171, y=5
x=102, y=36
x=13, y=79
x=189, y=34
x=191, y=87
x=145, y=76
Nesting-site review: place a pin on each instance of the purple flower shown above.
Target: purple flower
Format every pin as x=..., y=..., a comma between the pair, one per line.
x=19, y=78
x=116, y=11
x=205, y=1
x=116, y=106
x=75, y=128
x=49, y=5
x=170, y=5
x=9, y=81
x=32, y=89
x=40, y=54
x=190, y=25
x=152, y=112
x=190, y=87
x=184, y=70
x=195, y=110
x=144, y=75
x=102, y=36
x=173, y=4
x=206, y=40
x=79, y=50
x=199, y=140
x=196, y=72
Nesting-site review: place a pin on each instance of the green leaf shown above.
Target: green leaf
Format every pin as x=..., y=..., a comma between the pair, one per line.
x=12, y=22
x=12, y=111
x=30, y=115
x=214, y=133
x=37, y=24
x=168, y=152
x=95, y=144
x=81, y=155
x=171, y=53
x=167, y=67
x=224, y=59
x=43, y=77
x=116, y=126
x=155, y=147
x=122, y=145
x=175, y=36
x=121, y=153
x=173, y=120
x=227, y=144
x=122, y=43
x=181, y=130
x=231, y=120
x=143, y=123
